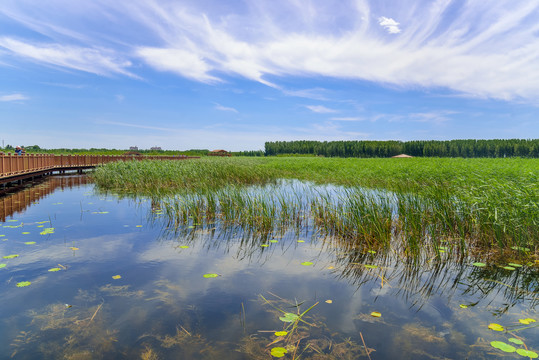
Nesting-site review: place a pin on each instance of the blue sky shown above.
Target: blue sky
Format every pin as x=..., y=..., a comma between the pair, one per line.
x=234, y=74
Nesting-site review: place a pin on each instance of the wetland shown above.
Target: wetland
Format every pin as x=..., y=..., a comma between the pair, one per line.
x=287, y=258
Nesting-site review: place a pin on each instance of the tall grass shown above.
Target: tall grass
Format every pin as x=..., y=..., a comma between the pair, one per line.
x=424, y=202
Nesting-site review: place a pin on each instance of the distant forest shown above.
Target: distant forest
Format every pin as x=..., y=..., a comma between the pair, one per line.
x=427, y=148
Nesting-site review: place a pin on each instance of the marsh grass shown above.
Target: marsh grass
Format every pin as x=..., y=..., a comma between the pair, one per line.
x=487, y=203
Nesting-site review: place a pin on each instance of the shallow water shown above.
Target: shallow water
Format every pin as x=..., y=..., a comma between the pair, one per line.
x=162, y=306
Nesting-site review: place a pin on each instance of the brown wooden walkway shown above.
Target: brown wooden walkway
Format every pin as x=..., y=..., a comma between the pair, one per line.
x=15, y=168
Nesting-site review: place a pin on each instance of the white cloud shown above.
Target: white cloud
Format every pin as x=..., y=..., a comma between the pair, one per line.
x=320, y=109
x=224, y=108
x=481, y=49
x=389, y=24
x=14, y=97
x=96, y=61
x=181, y=62
x=348, y=118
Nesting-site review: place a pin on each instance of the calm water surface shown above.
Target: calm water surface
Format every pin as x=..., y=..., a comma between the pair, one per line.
x=129, y=286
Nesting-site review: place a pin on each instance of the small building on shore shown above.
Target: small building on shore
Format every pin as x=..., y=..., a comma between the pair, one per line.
x=219, y=153
x=402, y=156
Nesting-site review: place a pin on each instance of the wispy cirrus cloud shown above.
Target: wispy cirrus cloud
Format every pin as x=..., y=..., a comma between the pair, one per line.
x=225, y=108
x=320, y=109
x=350, y=118
x=96, y=61
x=474, y=48
x=13, y=97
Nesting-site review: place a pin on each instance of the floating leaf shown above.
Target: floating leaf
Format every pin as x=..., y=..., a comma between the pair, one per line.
x=371, y=266
x=13, y=256
x=376, y=314
x=281, y=333
x=211, y=275
x=301, y=241
x=495, y=327
x=23, y=283
x=442, y=247
x=184, y=246
x=527, y=321
x=138, y=226
x=514, y=265
x=274, y=241
x=25, y=233
x=329, y=301
x=3, y=266
x=527, y=353
x=330, y=267
x=116, y=277
x=29, y=243
x=371, y=252
x=463, y=306
x=289, y=317
x=47, y=231
x=508, y=268
x=74, y=248
x=306, y=263
x=278, y=351
x=503, y=346
x=479, y=264
x=2, y=235
x=54, y=269
x=264, y=245
x=516, y=341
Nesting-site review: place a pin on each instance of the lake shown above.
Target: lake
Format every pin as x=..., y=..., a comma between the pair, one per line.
x=86, y=275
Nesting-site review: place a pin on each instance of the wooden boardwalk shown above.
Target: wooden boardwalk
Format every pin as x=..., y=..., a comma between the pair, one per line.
x=16, y=168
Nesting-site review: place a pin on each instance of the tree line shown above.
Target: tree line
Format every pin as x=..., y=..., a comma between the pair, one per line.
x=496, y=148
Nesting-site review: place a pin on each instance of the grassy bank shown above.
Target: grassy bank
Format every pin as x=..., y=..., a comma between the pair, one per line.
x=486, y=202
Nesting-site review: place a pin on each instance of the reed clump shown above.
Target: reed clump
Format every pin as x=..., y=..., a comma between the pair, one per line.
x=422, y=202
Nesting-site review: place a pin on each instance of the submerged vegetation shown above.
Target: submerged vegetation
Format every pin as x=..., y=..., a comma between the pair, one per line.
x=433, y=203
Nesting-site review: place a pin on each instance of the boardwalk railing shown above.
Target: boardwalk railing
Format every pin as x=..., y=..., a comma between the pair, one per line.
x=16, y=165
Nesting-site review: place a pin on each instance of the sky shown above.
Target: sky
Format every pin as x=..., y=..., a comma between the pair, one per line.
x=214, y=74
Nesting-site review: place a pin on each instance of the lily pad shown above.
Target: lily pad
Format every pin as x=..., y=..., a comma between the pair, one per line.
x=281, y=333
x=495, y=327
x=116, y=277
x=503, y=346
x=479, y=264
x=278, y=352
x=23, y=283
x=289, y=317
x=211, y=275
x=54, y=269
x=29, y=243
x=376, y=314
x=12, y=256
x=47, y=231
x=25, y=232
x=516, y=341
x=306, y=263
x=527, y=321
x=527, y=353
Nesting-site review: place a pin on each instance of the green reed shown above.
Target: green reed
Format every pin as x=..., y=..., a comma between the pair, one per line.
x=430, y=202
